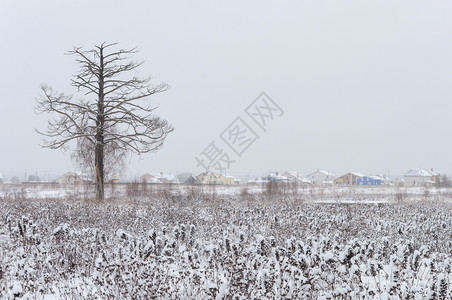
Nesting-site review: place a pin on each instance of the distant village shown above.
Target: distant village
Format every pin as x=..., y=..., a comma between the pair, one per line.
x=413, y=177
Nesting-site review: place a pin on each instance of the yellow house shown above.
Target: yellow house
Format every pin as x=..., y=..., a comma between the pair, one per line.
x=200, y=178
x=348, y=179
x=214, y=178
x=228, y=180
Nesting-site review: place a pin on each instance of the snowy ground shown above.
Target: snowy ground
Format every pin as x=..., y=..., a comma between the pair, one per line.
x=308, y=194
x=212, y=243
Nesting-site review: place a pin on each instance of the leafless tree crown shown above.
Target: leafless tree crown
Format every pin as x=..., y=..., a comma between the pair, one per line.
x=112, y=118
x=128, y=121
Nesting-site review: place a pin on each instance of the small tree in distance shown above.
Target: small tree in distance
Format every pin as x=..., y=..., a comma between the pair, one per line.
x=113, y=118
x=445, y=181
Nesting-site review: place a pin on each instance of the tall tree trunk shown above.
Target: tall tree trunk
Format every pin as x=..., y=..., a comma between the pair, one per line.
x=99, y=150
x=99, y=158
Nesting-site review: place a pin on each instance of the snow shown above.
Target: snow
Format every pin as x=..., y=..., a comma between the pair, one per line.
x=297, y=175
x=4, y=238
x=351, y=201
x=357, y=174
x=323, y=243
x=420, y=172
x=328, y=256
x=17, y=288
x=50, y=297
x=61, y=228
x=342, y=269
x=154, y=180
x=323, y=172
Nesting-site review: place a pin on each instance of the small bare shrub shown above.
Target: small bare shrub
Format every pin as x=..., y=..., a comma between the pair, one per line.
x=400, y=197
x=245, y=194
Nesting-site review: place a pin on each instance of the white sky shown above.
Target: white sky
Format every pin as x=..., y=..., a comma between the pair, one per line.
x=365, y=86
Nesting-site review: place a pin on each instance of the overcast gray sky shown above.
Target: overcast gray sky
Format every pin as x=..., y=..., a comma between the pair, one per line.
x=365, y=85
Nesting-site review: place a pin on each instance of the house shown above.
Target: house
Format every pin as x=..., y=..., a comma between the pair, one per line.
x=159, y=178
x=398, y=182
x=212, y=178
x=420, y=177
x=200, y=177
x=385, y=180
x=320, y=177
x=256, y=181
x=231, y=180
x=275, y=177
x=369, y=180
x=190, y=180
x=183, y=177
x=148, y=178
x=272, y=177
x=215, y=178
x=71, y=178
x=348, y=179
x=238, y=181
x=297, y=178
x=225, y=179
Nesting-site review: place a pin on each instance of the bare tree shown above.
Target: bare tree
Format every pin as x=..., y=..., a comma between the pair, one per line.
x=114, y=114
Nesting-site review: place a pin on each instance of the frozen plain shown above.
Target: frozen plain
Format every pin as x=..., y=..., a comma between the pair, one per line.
x=218, y=242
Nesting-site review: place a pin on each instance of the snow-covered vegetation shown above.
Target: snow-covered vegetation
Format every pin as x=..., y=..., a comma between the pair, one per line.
x=210, y=246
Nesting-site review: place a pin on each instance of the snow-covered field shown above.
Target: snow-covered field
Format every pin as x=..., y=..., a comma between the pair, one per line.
x=212, y=243
x=330, y=194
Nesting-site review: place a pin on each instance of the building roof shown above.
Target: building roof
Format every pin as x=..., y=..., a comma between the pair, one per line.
x=357, y=174
x=323, y=172
x=353, y=173
x=190, y=179
x=298, y=176
x=75, y=174
x=201, y=174
x=419, y=173
x=182, y=177
x=154, y=180
x=161, y=178
x=274, y=176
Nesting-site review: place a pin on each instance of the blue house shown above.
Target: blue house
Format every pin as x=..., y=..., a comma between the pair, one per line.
x=369, y=180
